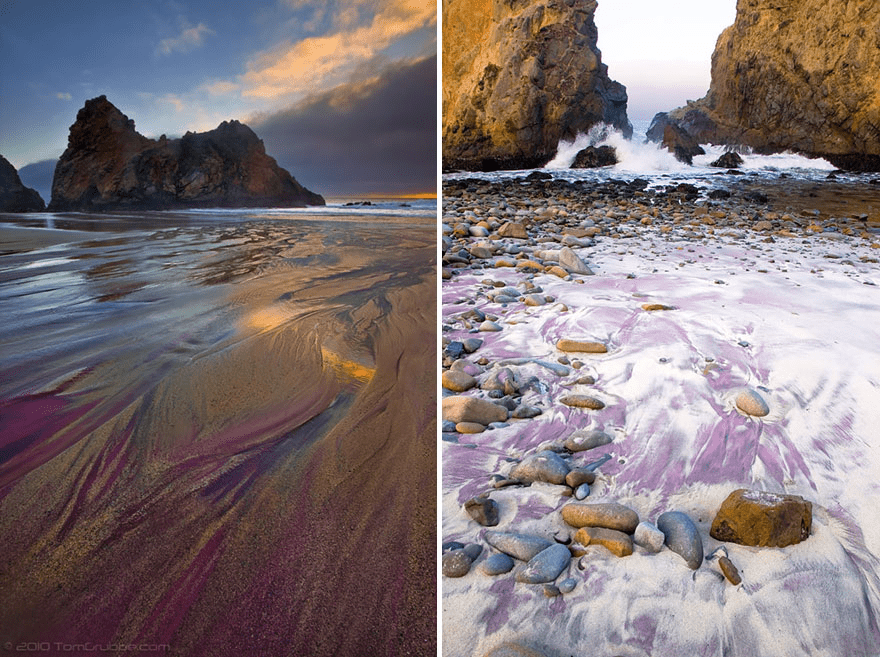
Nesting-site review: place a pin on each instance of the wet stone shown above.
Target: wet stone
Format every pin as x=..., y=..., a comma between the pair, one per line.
x=456, y=563
x=609, y=515
x=583, y=401
x=483, y=510
x=546, y=565
x=578, y=476
x=682, y=537
x=751, y=403
x=518, y=546
x=542, y=466
x=583, y=440
x=567, y=585
x=458, y=381
x=730, y=571
x=581, y=346
x=469, y=427
x=649, y=537
x=497, y=564
x=616, y=542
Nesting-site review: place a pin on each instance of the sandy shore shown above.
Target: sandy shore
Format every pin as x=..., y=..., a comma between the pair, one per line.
x=221, y=441
x=695, y=302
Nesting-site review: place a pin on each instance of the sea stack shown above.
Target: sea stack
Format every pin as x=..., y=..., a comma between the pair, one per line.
x=108, y=165
x=518, y=77
x=794, y=76
x=14, y=196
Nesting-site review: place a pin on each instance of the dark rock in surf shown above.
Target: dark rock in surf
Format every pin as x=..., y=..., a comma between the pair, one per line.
x=14, y=196
x=593, y=157
x=729, y=160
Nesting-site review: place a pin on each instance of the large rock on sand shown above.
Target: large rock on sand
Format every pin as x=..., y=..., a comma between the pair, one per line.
x=763, y=519
x=108, y=165
x=796, y=76
x=544, y=466
x=459, y=408
x=14, y=196
x=520, y=76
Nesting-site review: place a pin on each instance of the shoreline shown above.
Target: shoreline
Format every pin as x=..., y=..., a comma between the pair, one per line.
x=695, y=303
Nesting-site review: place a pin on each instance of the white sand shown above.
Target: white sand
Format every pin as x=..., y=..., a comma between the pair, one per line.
x=804, y=333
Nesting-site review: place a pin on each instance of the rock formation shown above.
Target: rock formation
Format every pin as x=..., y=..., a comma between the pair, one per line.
x=518, y=76
x=108, y=165
x=14, y=196
x=798, y=76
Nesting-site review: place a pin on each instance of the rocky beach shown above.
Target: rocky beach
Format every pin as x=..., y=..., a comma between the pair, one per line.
x=635, y=372
x=218, y=432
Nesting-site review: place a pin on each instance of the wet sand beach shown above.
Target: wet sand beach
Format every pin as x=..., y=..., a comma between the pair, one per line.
x=218, y=437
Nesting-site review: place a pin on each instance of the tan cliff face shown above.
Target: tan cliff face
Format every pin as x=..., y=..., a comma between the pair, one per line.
x=518, y=76
x=801, y=76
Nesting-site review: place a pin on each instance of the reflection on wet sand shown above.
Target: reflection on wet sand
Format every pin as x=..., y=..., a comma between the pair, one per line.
x=221, y=439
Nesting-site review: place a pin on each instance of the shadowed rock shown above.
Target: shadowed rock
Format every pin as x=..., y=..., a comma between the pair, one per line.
x=14, y=196
x=519, y=546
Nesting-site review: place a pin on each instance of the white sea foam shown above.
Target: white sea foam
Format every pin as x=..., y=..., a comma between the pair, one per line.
x=639, y=157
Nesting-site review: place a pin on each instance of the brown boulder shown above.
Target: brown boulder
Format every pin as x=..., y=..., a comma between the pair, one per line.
x=515, y=230
x=762, y=519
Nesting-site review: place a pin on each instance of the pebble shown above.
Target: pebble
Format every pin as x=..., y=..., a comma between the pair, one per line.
x=609, y=515
x=682, y=537
x=514, y=230
x=551, y=591
x=471, y=344
x=458, y=408
x=473, y=550
x=490, y=327
x=586, y=347
x=456, y=563
x=525, y=412
x=567, y=585
x=572, y=262
x=583, y=440
x=541, y=466
x=730, y=571
x=457, y=381
x=582, y=491
x=483, y=509
x=469, y=427
x=651, y=307
x=583, y=401
x=545, y=566
x=649, y=537
x=617, y=542
x=751, y=403
x=519, y=546
x=497, y=564
x=578, y=476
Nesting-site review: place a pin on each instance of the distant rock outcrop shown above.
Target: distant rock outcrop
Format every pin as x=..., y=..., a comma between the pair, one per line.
x=518, y=76
x=108, y=165
x=798, y=76
x=14, y=196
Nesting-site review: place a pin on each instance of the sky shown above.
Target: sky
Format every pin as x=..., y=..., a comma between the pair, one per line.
x=343, y=94
x=661, y=51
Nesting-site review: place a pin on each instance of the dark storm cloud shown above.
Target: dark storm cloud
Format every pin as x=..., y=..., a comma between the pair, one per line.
x=368, y=137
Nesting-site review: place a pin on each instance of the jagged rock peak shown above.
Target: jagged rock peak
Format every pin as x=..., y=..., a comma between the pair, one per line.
x=14, y=196
x=108, y=165
x=795, y=76
x=518, y=76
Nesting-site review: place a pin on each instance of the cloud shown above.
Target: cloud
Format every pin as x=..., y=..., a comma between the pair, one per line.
x=316, y=63
x=371, y=136
x=189, y=39
x=219, y=87
x=63, y=96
